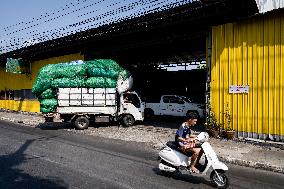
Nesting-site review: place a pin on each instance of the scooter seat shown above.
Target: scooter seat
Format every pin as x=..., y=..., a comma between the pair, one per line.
x=174, y=146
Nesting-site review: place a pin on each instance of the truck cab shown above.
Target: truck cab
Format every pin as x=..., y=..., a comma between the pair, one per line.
x=131, y=108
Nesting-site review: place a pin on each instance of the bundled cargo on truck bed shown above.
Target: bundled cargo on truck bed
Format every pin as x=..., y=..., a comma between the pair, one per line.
x=99, y=73
x=81, y=92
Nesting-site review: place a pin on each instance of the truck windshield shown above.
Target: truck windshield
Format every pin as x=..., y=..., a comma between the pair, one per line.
x=133, y=99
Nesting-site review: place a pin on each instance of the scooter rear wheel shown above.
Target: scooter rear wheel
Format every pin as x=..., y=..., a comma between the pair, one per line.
x=223, y=182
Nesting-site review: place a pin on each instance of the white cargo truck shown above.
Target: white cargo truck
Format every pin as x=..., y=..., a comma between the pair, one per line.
x=84, y=105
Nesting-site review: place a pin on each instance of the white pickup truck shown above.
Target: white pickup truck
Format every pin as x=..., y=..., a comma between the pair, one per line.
x=173, y=105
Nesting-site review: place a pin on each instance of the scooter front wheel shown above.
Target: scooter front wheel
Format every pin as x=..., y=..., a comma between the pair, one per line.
x=221, y=180
x=166, y=173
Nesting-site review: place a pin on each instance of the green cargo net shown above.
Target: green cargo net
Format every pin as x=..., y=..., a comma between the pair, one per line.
x=48, y=105
x=101, y=82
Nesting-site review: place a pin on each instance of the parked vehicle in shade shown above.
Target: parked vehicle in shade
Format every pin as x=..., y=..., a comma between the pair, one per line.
x=173, y=105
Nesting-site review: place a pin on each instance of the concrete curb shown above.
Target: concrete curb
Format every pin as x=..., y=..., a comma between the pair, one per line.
x=256, y=165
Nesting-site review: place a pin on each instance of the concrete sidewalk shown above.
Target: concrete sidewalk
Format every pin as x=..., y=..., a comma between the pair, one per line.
x=256, y=154
x=261, y=155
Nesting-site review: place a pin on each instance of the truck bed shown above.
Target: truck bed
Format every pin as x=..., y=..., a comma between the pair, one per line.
x=87, y=100
x=87, y=110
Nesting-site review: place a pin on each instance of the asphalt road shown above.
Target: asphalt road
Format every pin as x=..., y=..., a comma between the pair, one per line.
x=34, y=158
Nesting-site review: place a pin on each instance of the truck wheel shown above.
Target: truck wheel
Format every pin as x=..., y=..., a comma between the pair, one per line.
x=82, y=123
x=192, y=111
x=128, y=120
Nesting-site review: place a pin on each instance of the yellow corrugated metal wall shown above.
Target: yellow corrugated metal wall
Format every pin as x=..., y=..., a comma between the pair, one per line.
x=250, y=53
x=22, y=81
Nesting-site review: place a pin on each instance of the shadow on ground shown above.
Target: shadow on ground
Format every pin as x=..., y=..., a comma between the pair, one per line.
x=54, y=126
x=185, y=177
x=12, y=177
x=171, y=122
x=62, y=125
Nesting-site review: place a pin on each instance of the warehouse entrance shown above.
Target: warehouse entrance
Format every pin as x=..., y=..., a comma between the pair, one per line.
x=175, y=68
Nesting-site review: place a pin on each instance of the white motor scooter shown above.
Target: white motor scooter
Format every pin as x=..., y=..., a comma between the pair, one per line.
x=173, y=160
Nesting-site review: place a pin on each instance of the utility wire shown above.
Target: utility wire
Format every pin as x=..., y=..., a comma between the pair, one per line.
x=52, y=19
x=99, y=20
x=122, y=9
x=44, y=15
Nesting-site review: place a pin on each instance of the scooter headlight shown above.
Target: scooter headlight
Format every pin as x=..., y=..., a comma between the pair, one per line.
x=203, y=137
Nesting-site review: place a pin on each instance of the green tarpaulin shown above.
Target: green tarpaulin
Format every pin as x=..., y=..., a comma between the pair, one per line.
x=101, y=82
x=68, y=82
x=48, y=105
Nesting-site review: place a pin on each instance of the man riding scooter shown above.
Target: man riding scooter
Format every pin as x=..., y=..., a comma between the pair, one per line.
x=187, y=141
x=176, y=157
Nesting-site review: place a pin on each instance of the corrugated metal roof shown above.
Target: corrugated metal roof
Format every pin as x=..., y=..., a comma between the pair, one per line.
x=213, y=13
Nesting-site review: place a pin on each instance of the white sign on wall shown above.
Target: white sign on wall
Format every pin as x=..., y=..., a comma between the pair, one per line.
x=238, y=89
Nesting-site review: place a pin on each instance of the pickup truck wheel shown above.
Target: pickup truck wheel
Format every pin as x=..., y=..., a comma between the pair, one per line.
x=82, y=123
x=192, y=111
x=128, y=120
